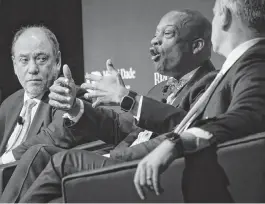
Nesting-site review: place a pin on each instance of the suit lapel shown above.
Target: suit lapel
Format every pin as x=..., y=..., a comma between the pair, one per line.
x=39, y=117
x=205, y=68
x=11, y=119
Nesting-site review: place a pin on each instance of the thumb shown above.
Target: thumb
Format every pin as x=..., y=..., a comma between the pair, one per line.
x=97, y=103
x=67, y=72
x=109, y=66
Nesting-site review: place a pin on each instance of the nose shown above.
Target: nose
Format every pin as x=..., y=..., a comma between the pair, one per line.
x=33, y=67
x=156, y=41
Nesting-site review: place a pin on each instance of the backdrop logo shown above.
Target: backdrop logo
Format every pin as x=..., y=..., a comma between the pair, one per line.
x=159, y=78
x=125, y=74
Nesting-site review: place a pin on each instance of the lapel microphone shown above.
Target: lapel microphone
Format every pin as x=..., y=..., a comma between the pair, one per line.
x=163, y=100
x=165, y=88
x=20, y=120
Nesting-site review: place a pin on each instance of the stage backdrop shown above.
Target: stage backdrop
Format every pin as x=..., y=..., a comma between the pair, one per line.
x=122, y=29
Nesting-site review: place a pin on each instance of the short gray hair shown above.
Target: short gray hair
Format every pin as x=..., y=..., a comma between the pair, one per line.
x=50, y=35
x=251, y=12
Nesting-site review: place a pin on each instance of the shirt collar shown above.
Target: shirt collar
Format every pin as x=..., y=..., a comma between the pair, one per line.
x=37, y=99
x=187, y=76
x=238, y=52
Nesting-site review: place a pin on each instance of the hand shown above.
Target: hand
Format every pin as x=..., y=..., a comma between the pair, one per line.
x=108, y=89
x=150, y=167
x=63, y=91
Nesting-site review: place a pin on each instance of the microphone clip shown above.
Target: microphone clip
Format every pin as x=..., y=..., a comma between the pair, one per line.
x=20, y=120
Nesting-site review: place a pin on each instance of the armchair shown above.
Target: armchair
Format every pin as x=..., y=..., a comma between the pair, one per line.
x=242, y=161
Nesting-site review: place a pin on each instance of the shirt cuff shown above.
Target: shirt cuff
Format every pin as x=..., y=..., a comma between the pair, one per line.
x=8, y=158
x=76, y=118
x=195, y=139
x=200, y=133
x=137, y=117
x=106, y=155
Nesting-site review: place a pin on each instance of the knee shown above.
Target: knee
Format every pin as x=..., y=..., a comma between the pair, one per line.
x=36, y=148
x=67, y=155
x=59, y=157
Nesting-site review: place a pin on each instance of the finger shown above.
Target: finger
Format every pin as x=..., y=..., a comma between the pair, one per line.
x=110, y=66
x=155, y=181
x=98, y=102
x=137, y=182
x=59, y=98
x=58, y=105
x=121, y=80
x=88, y=86
x=93, y=77
x=142, y=175
x=149, y=177
x=62, y=81
x=59, y=89
x=95, y=94
x=67, y=72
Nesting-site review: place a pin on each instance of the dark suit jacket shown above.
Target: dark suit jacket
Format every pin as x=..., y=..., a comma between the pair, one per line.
x=235, y=109
x=46, y=128
x=112, y=128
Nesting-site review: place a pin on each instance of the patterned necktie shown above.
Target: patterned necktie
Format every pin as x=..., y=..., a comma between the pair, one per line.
x=23, y=129
x=176, y=88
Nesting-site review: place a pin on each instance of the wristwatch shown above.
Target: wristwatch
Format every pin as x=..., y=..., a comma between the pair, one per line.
x=128, y=101
x=173, y=137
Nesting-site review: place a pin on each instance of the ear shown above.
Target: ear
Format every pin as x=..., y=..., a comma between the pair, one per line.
x=58, y=61
x=226, y=19
x=14, y=64
x=197, y=45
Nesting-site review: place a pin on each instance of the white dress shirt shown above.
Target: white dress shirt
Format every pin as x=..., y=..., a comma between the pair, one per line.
x=8, y=156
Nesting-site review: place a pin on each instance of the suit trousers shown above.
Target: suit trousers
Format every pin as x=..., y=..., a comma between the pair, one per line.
x=34, y=161
x=47, y=186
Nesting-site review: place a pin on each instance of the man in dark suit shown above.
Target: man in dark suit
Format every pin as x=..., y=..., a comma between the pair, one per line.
x=185, y=51
x=232, y=107
x=26, y=118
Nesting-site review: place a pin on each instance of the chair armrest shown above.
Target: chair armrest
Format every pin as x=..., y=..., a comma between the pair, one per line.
x=95, y=145
x=243, y=140
x=6, y=171
x=116, y=184
x=243, y=162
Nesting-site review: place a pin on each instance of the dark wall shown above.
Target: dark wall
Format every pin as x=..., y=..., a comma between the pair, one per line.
x=63, y=17
x=122, y=30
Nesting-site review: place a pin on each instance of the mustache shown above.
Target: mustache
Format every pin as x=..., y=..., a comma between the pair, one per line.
x=154, y=51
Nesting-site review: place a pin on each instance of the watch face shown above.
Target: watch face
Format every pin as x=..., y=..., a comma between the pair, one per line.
x=127, y=103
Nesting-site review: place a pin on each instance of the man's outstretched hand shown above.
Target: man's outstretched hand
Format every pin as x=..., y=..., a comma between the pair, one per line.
x=108, y=89
x=63, y=91
x=147, y=175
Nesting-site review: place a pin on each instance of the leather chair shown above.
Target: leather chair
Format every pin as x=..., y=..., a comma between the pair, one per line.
x=242, y=161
